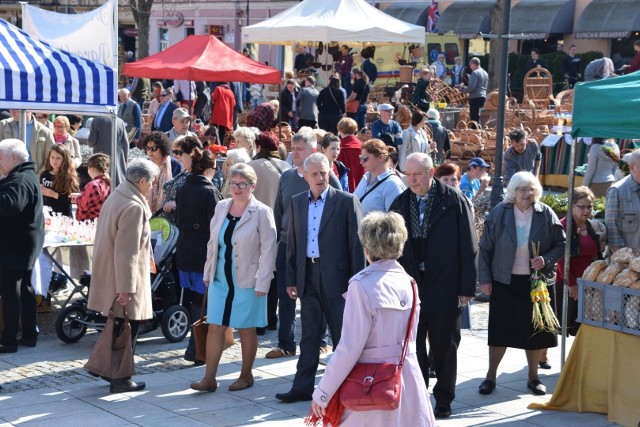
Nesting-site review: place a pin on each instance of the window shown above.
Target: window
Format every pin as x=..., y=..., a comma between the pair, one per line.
x=163, y=38
x=450, y=52
x=189, y=31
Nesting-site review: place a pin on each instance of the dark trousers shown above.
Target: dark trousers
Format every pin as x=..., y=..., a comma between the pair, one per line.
x=314, y=305
x=286, y=305
x=475, y=104
x=304, y=122
x=18, y=304
x=192, y=301
x=272, y=302
x=441, y=329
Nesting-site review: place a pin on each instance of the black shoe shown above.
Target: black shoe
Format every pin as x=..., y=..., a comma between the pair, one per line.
x=8, y=348
x=124, y=386
x=28, y=342
x=487, y=387
x=260, y=331
x=544, y=365
x=441, y=412
x=293, y=396
x=272, y=326
x=537, y=387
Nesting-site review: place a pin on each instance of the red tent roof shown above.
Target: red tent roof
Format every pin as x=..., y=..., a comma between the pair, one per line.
x=202, y=58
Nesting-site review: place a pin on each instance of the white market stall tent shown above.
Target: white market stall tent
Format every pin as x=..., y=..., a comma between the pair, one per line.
x=37, y=76
x=333, y=20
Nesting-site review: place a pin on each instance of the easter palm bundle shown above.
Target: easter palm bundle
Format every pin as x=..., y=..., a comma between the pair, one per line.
x=543, y=317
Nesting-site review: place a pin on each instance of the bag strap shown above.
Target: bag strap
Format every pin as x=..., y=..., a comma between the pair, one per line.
x=204, y=302
x=113, y=307
x=374, y=187
x=275, y=165
x=405, y=345
x=334, y=99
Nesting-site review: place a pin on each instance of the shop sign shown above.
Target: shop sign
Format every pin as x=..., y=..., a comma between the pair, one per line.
x=216, y=30
x=603, y=35
x=467, y=36
x=230, y=38
x=172, y=20
x=130, y=32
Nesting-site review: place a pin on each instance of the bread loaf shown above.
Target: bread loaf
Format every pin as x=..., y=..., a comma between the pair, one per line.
x=635, y=264
x=624, y=255
x=591, y=273
x=607, y=275
x=626, y=277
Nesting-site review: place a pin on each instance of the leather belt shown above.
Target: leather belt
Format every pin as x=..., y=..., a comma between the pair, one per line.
x=314, y=260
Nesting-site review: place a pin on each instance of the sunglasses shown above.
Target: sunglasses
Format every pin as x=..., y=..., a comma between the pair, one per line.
x=178, y=153
x=240, y=185
x=364, y=159
x=154, y=148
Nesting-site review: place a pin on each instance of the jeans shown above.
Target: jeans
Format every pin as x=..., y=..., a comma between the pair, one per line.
x=361, y=116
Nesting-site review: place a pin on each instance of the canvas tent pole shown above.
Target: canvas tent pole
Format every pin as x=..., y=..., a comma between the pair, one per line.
x=22, y=130
x=113, y=115
x=567, y=250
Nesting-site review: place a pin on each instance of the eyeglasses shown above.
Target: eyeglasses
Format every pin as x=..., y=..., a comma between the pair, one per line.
x=584, y=207
x=178, y=153
x=523, y=190
x=240, y=185
x=60, y=127
x=154, y=148
x=364, y=159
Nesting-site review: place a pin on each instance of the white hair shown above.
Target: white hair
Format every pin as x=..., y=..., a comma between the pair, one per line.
x=523, y=179
x=316, y=158
x=247, y=134
x=138, y=169
x=305, y=134
x=238, y=155
x=632, y=158
x=421, y=158
x=14, y=148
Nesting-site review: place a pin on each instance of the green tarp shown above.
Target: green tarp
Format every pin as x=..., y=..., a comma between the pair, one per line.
x=608, y=108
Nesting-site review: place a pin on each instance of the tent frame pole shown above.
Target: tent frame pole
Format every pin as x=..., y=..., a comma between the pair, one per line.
x=567, y=250
x=22, y=130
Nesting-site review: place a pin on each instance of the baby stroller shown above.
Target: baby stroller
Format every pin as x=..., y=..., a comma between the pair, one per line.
x=168, y=313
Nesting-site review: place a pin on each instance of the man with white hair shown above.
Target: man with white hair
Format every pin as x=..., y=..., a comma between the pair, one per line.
x=22, y=231
x=292, y=182
x=39, y=138
x=319, y=265
x=441, y=67
x=441, y=254
x=129, y=111
x=622, y=212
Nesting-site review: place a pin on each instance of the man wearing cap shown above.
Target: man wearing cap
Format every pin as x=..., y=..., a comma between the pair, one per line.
x=164, y=117
x=440, y=134
x=471, y=184
x=306, y=104
x=181, y=121
x=389, y=131
x=523, y=155
x=129, y=111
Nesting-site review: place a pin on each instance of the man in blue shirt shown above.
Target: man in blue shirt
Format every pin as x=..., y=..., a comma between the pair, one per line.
x=389, y=131
x=471, y=184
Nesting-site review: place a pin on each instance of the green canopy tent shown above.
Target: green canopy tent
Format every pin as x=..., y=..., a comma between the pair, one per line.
x=605, y=108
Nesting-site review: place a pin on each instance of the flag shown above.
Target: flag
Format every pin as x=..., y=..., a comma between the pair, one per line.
x=91, y=35
x=434, y=16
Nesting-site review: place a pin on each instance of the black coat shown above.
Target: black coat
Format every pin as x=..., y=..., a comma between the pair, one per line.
x=286, y=104
x=195, y=204
x=451, y=250
x=21, y=218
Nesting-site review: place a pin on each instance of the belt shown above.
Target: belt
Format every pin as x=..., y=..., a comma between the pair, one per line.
x=314, y=260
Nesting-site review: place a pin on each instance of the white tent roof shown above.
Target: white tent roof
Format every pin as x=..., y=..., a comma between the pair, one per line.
x=333, y=20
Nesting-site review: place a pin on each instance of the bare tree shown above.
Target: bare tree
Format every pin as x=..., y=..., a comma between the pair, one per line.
x=141, y=10
x=495, y=45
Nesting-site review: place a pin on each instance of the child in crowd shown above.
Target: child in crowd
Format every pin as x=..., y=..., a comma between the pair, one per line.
x=89, y=202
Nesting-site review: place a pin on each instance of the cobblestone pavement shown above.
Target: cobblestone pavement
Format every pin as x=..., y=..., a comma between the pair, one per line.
x=63, y=363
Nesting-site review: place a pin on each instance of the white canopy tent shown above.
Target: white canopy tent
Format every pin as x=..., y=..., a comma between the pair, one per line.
x=333, y=20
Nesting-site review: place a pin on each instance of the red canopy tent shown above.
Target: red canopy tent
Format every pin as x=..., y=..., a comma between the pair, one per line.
x=202, y=58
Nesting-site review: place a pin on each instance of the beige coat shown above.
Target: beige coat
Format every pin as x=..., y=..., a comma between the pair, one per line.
x=254, y=245
x=41, y=139
x=122, y=253
x=268, y=179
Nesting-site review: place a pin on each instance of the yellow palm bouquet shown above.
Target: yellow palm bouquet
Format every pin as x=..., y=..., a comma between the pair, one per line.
x=543, y=317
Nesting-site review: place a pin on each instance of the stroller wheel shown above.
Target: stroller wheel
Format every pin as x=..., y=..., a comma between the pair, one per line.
x=175, y=323
x=68, y=327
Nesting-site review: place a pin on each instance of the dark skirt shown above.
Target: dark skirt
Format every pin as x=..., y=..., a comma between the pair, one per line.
x=510, y=312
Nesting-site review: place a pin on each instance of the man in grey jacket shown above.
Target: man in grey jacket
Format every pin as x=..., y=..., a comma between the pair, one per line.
x=306, y=104
x=477, y=89
x=100, y=140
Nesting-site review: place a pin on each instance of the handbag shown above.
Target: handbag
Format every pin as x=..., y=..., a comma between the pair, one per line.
x=112, y=356
x=352, y=106
x=199, y=329
x=377, y=385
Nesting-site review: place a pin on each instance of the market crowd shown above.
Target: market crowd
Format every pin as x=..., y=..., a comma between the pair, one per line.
x=346, y=224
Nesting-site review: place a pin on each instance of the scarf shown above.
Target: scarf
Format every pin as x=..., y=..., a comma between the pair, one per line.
x=60, y=139
x=155, y=196
x=419, y=230
x=332, y=416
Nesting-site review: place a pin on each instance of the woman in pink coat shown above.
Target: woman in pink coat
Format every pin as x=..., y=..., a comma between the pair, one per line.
x=376, y=317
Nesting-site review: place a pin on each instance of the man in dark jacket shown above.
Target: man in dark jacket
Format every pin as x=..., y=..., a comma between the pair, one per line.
x=22, y=231
x=420, y=96
x=441, y=254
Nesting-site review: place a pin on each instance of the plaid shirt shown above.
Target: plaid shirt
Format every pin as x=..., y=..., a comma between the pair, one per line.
x=345, y=64
x=262, y=117
x=613, y=216
x=91, y=199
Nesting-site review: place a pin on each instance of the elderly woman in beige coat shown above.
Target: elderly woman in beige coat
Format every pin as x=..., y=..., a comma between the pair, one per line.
x=122, y=253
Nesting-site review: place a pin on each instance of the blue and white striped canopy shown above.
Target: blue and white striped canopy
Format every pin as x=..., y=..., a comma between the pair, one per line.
x=37, y=76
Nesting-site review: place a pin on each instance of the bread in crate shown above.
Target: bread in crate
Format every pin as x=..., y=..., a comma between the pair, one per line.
x=608, y=275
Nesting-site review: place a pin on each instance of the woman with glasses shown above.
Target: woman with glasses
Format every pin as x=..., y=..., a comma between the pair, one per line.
x=183, y=147
x=241, y=256
x=157, y=147
x=505, y=265
x=588, y=239
x=235, y=156
x=379, y=186
x=61, y=135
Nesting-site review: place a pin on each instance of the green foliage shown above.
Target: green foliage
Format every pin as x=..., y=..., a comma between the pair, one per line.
x=559, y=203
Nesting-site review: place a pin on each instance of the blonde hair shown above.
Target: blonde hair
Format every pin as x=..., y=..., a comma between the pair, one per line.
x=245, y=171
x=383, y=235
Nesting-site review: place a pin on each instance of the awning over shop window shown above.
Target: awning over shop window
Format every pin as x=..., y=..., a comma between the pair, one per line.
x=538, y=18
x=413, y=13
x=608, y=19
x=467, y=18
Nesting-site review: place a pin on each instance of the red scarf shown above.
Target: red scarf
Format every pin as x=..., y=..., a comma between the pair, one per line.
x=332, y=415
x=60, y=139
